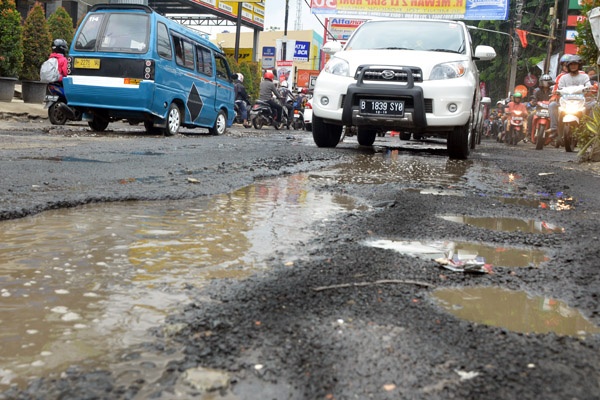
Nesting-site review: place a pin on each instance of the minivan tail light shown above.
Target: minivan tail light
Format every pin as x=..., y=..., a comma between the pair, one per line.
x=149, y=70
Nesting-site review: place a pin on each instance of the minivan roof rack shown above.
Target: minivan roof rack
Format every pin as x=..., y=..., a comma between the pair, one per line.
x=122, y=6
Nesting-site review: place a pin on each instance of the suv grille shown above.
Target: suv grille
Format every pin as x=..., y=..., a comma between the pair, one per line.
x=377, y=74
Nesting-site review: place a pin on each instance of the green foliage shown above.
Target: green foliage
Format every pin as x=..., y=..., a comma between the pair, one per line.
x=588, y=132
x=60, y=25
x=587, y=48
x=496, y=73
x=37, y=43
x=11, y=49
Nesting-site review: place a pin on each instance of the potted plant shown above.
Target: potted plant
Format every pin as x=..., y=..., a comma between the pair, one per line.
x=37, y=46
x=11, y=50
x=60, y=24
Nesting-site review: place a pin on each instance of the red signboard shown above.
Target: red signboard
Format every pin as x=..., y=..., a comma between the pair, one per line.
x=572, y=20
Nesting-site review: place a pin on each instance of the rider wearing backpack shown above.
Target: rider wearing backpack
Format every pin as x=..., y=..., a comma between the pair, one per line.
x=59, y=49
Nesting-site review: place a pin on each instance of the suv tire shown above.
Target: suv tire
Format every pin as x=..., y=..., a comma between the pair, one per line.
x=324, y=134
x=366, y=136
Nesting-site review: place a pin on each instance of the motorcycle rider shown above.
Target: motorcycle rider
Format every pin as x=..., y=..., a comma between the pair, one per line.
x=59, y=50
x=287, y=95
x=515, y=105
x=241, y=98
x=574, y=77
x=541, y=93
x=267, y=90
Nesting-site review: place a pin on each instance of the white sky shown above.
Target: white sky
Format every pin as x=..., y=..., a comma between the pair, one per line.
x=275, y=17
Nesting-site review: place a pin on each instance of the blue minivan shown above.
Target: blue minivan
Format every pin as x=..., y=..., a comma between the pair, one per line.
x=128, y=62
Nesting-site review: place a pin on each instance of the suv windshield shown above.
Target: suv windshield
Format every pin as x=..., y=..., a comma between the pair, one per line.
x=409, y=35
x=114, y=32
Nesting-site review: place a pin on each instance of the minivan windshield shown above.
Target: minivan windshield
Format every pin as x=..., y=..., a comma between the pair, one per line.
x=409, y=35
x=122, y=32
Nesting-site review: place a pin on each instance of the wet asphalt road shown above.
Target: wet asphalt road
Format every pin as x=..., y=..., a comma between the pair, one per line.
x=275, y=335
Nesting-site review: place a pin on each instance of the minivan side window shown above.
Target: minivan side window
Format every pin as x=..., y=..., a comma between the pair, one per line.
x=204, y=61
x=184, y=53
x=86, y=40
x=163, y=44
x=222, y=67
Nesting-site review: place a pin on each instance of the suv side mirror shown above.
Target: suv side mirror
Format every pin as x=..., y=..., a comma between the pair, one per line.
x=332, y=47
x=484, y=53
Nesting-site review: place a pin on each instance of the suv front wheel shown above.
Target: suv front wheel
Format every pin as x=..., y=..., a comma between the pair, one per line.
x=324, y=134
x=459, y=145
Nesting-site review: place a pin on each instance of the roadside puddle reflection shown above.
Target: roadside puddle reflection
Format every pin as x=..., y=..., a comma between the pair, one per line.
x=504, y=224
x=516, y=311
x=78, y=285
x=464, y=251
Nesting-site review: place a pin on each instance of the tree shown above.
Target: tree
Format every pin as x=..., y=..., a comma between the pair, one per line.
x=584, y=40
x=60, y=24
x=37, y=43
x=11, y=49
x=495, y=73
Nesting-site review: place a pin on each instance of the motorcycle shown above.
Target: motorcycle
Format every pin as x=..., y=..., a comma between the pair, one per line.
x=515, y=128
x=540, y=124
x=298, y=122
x=56, y=103
x=261, y=114
x=238, y=113
x=571, y=109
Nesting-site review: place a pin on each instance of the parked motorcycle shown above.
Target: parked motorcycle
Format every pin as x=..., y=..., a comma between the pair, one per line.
x=515, y=128
x=56, y=103
x=238, y=113
x=571, y=110
x=261, y=114
x=298, y=122
x=540, y=124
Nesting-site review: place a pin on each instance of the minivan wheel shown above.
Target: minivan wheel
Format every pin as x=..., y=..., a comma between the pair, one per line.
x=220, y=125
x=98, y=123
x=173, y=120
x=324, y=134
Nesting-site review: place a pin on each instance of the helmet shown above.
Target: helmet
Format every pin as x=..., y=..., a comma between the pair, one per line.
x=517, y=95
x=304, y=90
x=269, y=75
x=59, y=46
x=575, y=60
x=284, y=83
x=565, y=58
x=240, y=77
x=546, y=80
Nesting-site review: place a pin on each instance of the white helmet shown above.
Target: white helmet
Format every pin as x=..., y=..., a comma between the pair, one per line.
x=284, y=83
x=240, y=77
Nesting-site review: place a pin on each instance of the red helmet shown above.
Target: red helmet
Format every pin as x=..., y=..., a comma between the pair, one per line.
x=269, y=75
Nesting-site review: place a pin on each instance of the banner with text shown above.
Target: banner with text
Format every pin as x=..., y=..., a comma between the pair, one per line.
x=444, y=9
x=301, y=51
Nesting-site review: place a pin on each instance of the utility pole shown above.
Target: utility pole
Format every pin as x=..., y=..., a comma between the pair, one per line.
x=515, y=47
x=553, y=24
x=284, y=41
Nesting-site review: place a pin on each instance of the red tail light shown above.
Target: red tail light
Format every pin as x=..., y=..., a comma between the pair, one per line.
x=308, y=105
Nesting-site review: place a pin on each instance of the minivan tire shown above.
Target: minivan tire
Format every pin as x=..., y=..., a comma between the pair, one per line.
x=220, y=125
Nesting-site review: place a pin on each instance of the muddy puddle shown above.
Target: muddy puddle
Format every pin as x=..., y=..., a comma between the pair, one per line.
x=505, y=224
x=76, y=282
x=461, y=252
x=516, y=311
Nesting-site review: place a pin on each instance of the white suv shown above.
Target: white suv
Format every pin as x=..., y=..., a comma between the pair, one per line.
x=403, y=74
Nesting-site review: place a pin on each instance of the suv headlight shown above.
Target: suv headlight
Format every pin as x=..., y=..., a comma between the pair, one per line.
x=337, y=66
x=448, y=70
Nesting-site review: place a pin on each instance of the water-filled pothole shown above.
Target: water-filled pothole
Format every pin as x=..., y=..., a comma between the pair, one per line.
x=504, y=224
x=464, y=251
x=79, y=285
x=517, y=311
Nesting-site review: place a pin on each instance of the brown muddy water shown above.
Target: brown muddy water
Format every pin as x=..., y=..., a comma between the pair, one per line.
x=75, y=283
x=517, y=311
x=82, y=285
